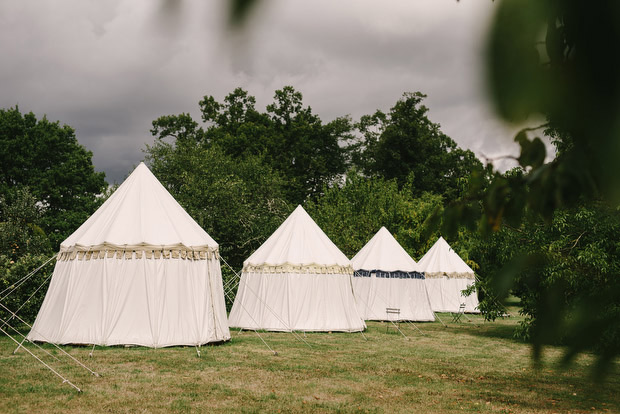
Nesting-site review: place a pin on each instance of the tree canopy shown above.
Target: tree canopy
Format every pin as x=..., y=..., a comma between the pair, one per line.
x=352, y=213
x=288, y=137
x=238, y=203
x=405, y=145
x=46, y=158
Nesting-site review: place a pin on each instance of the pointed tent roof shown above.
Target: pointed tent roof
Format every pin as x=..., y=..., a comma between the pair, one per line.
x=140, y=212
x=298, y=241
x=383, y=252
x=441, y=258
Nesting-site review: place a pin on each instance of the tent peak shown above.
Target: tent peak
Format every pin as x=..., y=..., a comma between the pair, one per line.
x=141, y=212
x=383, y=252
x=298, y=241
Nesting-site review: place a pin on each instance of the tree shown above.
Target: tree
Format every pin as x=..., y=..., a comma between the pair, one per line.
x=564, y=272
x=350, y=215
x=405, y=143
x=20, y=232
x=288, y=138
x=47, y=158
x=306, y=151
x=23, y=248
x=238, y=203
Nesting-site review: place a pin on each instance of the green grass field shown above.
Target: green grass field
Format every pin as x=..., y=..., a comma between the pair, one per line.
x=461, y=368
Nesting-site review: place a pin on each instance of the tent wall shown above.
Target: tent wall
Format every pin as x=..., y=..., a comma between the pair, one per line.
x=140, y=301
x=445, y=294
x=375, y=294
x=301, y=301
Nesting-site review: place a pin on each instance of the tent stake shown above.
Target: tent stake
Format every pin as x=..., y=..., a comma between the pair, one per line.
x=437, y=316
x=364, y=336
x=18, y=346
x=64, y=380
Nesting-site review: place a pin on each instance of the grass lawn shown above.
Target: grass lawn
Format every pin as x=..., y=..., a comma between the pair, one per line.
x=460, y=368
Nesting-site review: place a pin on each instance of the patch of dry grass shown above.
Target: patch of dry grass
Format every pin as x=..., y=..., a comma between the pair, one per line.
x=460, y=368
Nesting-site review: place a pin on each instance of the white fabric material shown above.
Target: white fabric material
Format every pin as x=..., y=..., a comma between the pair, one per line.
x=153, y=299
x=442, y=259
x=141, y=211
x=375, y=294
x=441, y=264
x=445, y=294
x=295, y=301
x=298, y=241
x=383, y=252
x=304, y=299
x=153, y=303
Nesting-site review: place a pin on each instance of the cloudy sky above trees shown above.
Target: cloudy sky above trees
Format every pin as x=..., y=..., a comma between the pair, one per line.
x=109, y=68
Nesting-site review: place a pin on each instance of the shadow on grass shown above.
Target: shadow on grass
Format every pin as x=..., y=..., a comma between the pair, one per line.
x=488, y=330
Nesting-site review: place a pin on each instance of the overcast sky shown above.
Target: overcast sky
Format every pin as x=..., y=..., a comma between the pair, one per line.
x=109, y=68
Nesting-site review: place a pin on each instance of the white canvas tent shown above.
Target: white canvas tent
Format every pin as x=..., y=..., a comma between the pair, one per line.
x=387, y=277
x=297, y=280
x=139, y=271
x=447, y=275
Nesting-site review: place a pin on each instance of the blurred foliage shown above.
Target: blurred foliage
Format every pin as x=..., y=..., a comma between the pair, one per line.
x=556, y=222
x=47, y=158
x=565, y=272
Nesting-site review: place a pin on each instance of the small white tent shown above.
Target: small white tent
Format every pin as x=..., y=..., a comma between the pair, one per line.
x=139, y=271
x=297, y=280
x=387, y=277
x=447, y=275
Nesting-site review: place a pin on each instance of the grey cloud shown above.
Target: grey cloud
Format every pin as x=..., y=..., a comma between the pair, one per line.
x=110, y=68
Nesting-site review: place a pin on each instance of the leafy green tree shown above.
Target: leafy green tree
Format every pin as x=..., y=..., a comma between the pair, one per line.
x=23, y=248
x=404, y=143
x=350, y=215
x=236, y=125
x=306, y=151
x=20, y=232
x=238, y=203
x=565, y=273
x=47, y=158
x=288, y=138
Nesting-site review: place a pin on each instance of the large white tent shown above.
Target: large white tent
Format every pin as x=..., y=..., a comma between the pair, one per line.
x=447, y=275
x=139, y=271
x=387, y=277
x=297, y=280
